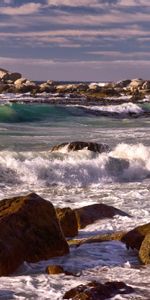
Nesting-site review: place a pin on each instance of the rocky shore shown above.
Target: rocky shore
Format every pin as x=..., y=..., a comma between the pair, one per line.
x=31, y=229
x=126, y=90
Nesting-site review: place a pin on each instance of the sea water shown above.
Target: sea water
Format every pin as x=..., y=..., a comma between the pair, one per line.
x=27, y=132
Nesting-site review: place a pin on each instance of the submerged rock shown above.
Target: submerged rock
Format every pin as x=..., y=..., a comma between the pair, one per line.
x=89, y=214
x=68, y=221
x=98, y=291
x=29, y=231
x=78, y=145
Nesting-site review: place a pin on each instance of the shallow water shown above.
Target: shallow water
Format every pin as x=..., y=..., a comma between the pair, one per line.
x=27, y=131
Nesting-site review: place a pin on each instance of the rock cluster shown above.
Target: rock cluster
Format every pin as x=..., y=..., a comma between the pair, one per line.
x=14, y=82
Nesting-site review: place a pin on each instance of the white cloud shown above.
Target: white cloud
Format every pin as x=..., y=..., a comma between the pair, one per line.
x=72, y=3
x=24, y=9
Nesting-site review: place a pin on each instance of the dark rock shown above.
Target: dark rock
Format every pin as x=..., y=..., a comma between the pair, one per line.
x=89, y=214
x=12, y=76
x=68, y=221
x=98, y=291
x=134, y=238
x=29, y=231
x=75, y=146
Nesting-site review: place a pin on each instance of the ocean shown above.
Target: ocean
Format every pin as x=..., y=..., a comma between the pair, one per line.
x=29, y=127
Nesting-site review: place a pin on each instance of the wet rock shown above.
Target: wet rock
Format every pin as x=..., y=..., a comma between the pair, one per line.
x=29, y=231
x=56, y=269
x=115, y=236
x=98, y=291
x=134, y=238
x=75, y=146
x=144, y=252
x=68, y=221
x=89, y=214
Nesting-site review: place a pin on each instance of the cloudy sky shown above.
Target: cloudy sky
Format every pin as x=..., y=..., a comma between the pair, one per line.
x=76, y=39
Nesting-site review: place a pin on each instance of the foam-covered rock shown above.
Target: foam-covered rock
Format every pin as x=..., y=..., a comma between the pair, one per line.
x=78, y=145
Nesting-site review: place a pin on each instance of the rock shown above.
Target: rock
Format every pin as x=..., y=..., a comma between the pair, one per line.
x=12, y=76
x=89, y=214
x=29, y=231
x=47, y=87
x=98, y=291
x=115, y=236
x=134, y=238
x=135, y=84
x=94, y=87
x=3, y=87
x=56, y=269
x=146, y=85
x=123, y=83
x=20, y=81
x=144, y=252
x=68, y=221
x=3, y=73
x=75, y=146
x=24, y=86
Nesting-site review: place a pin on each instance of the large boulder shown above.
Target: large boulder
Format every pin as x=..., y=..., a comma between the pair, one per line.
x=75, y=146
x=29, y=231
x=68, y=221
x=98, y=291
x=91, y=213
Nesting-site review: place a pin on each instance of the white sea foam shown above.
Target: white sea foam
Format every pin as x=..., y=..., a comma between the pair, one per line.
x=81, y=168
x=125, y=108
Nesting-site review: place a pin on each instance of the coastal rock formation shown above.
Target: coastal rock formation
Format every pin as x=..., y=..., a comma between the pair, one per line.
x=75, y=146
x=29, y=231
x=68, y=221
x=89, y=214
x=98, y=291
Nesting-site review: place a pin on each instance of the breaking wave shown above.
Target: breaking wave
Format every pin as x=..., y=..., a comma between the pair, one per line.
x=81, y=168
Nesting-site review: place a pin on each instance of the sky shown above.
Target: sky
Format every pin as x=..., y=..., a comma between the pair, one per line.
x=76, y=40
